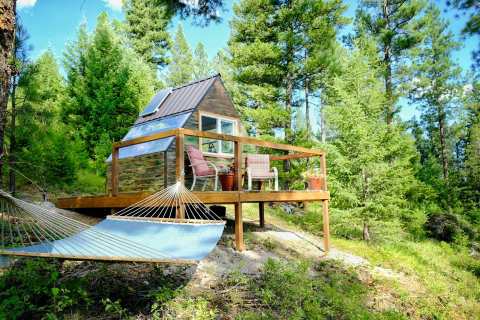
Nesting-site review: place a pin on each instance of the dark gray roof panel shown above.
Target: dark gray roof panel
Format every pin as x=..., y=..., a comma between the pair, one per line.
x=181, y=99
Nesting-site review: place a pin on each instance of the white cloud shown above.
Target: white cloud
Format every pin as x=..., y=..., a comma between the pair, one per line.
x=25, y=3
x=114, y=4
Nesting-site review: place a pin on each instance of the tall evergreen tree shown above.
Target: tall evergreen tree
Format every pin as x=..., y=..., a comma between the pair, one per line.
x=46, y=150
x=277, y=47
x=202, y=66
x=396, y=25
x=368, y=178
x=472, y=148
x=147, y=23
x=107, y=86
x=437, y=84
x=181, y=68
x=20, y=63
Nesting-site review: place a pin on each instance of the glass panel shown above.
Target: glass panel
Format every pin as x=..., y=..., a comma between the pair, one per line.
x=145, y=148
x=209, y=145
x=156, y=101
x=226, y=127
x=149, y=128
x=157, y=125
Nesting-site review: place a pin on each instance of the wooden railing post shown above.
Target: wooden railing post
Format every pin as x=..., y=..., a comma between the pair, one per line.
x=239, y=244
x=114, y=172
x=180, y=168
x=180, y=158
x=323, y=164
x=238, y=166
x=326, y=217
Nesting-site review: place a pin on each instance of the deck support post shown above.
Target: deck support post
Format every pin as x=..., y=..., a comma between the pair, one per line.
x=261, y=214
x=114, y=174
x=326, y=226
x=180, y=168
x=239, y=245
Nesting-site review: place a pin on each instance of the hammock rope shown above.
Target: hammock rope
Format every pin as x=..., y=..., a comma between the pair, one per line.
x=148, y=230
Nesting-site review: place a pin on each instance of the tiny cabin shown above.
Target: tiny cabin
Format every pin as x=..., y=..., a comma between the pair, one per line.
x=201, y=105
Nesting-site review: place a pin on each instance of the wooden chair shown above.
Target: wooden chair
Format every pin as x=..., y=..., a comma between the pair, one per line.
x=201, y=168
x=258, y=169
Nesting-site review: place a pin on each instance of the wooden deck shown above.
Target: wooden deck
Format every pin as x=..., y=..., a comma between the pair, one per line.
x=123, y=200
x=117, y=200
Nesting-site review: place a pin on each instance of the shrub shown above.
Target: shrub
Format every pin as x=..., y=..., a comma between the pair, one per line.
x=447, y=227
x=31, y=289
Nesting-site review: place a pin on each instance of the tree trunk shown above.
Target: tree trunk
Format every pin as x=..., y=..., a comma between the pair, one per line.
x=13, y=142
x=443, y=144
x=307, y=107
x=288, y=124
x=7, y=38
x=366, y=232
x=387, y=60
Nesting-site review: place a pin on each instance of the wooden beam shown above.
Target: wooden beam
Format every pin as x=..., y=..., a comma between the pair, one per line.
x=123, y=200
x=180, y=157
x=95, y=258
x=180, y=169
x=326, y=226
x=283, y=196
x=152, y=137
x=261, y=213
x=239, y=244
x=171, y=220
x=114, y=173
x=290, y=156
x=249, y=140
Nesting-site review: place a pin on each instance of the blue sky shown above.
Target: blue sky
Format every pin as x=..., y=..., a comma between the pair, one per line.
x=52, y=23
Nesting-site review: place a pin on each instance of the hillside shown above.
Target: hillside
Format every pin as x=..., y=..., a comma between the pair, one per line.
x=283, y=274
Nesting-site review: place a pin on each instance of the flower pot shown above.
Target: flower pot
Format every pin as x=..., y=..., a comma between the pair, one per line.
x=226, y=180
x=315, y=183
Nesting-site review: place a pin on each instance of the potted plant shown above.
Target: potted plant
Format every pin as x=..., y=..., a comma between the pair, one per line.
x=227, y=177
x=315, y=179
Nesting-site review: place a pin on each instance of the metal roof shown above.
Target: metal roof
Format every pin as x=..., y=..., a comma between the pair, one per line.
x=181, y=99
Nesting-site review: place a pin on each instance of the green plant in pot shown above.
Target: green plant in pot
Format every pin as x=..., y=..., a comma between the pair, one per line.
x=315, y=179
x=226, y=176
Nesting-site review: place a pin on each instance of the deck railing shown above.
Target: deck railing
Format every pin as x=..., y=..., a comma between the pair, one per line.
x=239, y=142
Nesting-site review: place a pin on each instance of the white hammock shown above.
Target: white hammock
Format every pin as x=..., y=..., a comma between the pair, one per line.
x=147, y=231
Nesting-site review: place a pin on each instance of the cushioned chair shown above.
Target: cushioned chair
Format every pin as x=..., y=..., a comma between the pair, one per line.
x=258, y=169
x=201, y=168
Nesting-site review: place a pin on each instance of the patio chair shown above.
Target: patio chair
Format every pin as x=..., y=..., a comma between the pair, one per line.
x=258, y=169
x=201, y=168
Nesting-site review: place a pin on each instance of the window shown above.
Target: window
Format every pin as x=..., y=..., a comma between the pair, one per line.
x=221, y=125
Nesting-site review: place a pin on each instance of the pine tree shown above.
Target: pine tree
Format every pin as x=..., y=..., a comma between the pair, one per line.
x=396, y=25
x=20, y=63
x=202, y=66
x=279, y=48
x=437, y=85
x=47, y=152
x=369, y=180
x=107, y=86
x=181, y=68
x=147, y=22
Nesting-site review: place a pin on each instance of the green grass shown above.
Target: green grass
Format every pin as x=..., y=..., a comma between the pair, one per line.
x=439, y=280
x=443, y=274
